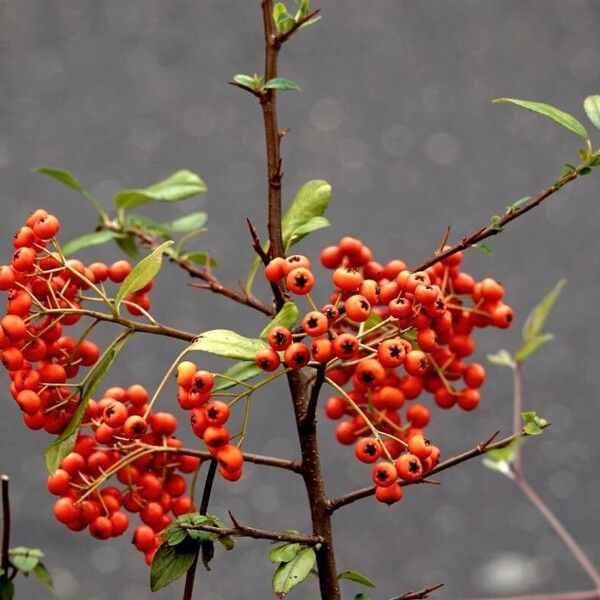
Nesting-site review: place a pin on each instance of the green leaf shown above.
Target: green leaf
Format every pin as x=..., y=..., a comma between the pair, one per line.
x=562, y=118
x=245, y=80
x=538, y=316
x=286, y=317
x=357, y=577
x=283, y=20
x=533, y=425
x=303, y=7
x=61, y=175
x=65, y=442
x=495, y=223
x=518, y=204
x=591, y=105
x=145, y=224
x=501, y=459
x=42, y=573
x=484, y=248
x=310, y=22
x=289, y=575
x=311, y=200
x=25, y=559
x=284, y=553
x=502, y=358
x=228, y=344
x=171, y=562
x=188, y=223
x=208, y=551
x=175, y=534
x=361, y=596
x=532, y=345
x=141, y=274
x=279, y=83
x=95, y=238
x=7, y=588
x=128, y=246
x=312, y=225
x=241, y=371
x=178, y=186
x=200, y=258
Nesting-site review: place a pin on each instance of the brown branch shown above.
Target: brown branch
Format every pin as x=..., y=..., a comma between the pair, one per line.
x=239, y=530
x=489, y=231
x=336, y=503
x=254, y=92
x=420, y=595
x=4, y=562
x=313, y=400
x=191, y=572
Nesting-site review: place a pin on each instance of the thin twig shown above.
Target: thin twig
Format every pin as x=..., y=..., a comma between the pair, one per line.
x=420, y=595
x=5, y=524
x=284, y=37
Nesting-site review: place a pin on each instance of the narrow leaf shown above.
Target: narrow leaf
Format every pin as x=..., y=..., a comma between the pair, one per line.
x=562, y=118
x=141, y=274
x=61, y=175
x=290, y=574
x=95, y=238
x=42, y=573
x=178, y=186
x=201, y=258
x=171, y=562
x=286, y=317
x=228, y=344
x=502, y=358
x=241, y=371
x=484, y=248
x=532, y=345
x=591, y=105
x=518, y=204
x=357, y=577
x=538, y=316
x=279, y=83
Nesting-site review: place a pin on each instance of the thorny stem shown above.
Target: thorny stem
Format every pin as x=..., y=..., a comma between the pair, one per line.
x=191, y=573
x=420, y=595
x=5, y=524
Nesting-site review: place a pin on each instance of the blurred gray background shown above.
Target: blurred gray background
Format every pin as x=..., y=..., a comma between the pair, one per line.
x=395, y=112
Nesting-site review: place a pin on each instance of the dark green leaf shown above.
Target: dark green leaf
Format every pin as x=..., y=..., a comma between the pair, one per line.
x=532, y=424
x=532, y=345
x=484, y=248
x=241, y=371
x=95, y=238
x=585, y=171
x=171, y=562
x=591, y=105
x=502, y=358
x=357, y=577
x=25, y=559
x=128, y=245
x=289, y=575
x=7, y=589
x=361, y=596
x=178, y=186
x=538, y=316
x=518, y=204
x=208, y=551
x=61, y=175
x=65, y=442
x=188, y=223
x=279, y=83
x=286, y=317
x=175, y=534
x=42, y=573
x=201, y=258
x=284, y=553
x=311, y=200
x=562, y=118
x=228, y=344
x=141, y=274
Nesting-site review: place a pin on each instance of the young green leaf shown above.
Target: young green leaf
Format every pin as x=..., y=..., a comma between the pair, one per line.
x=501, y=459
x=200, y=258
x=303, y=7
x=283, y=20
x=357, y=577
x=65, y=442
x=532, y=424
x=241, y=371
x=502, y=358
x=518, y=204
x=562, y=118
x=245, y=80
x=311, y=200
x=591, y=105
x=190, y=222
x=141, y=274
x=495, y=223
x=65, y=177
x=95, y=238
x=538, y=316
x=286, y=317
x=25, y=559
x=532, y=345
x=289, y=575
x=484, y=248
x=279, y=83
x=171, y=562
x=284, y=553
x=44, y=576
x=228, y=344
x=181, y=185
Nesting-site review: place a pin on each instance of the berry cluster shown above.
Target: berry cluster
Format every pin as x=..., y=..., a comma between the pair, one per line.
x=382, y=318
x=208, y=418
